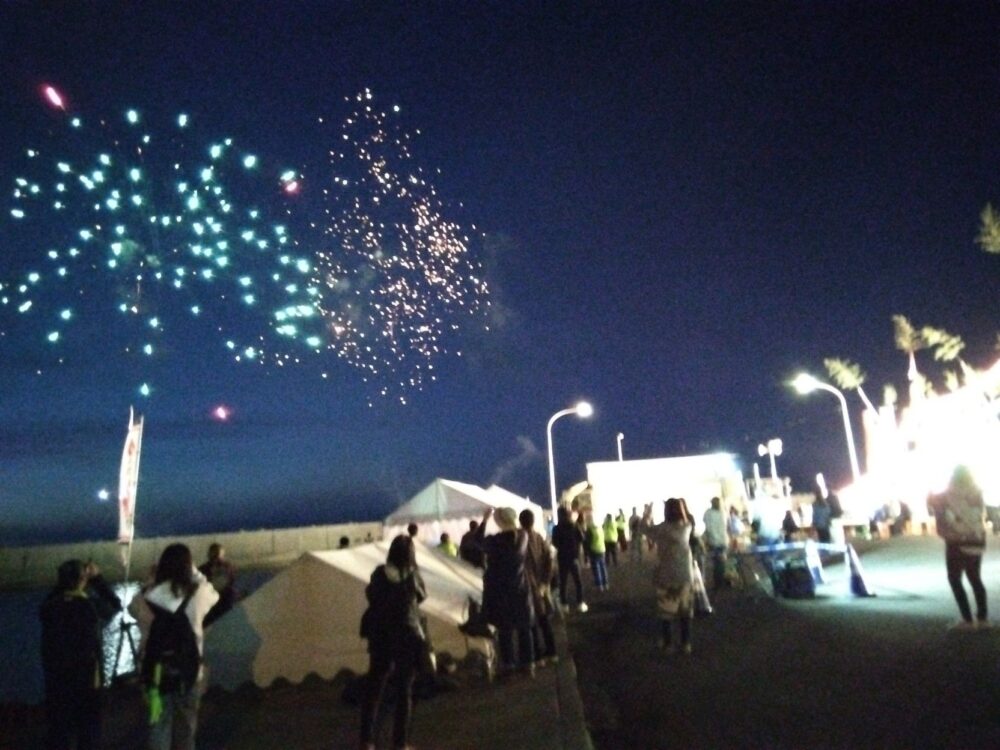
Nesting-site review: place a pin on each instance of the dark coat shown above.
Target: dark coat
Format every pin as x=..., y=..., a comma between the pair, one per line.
x=568, y=541
x=469, y=549
x=392, y=621
x=507, y=601
x=72, y=625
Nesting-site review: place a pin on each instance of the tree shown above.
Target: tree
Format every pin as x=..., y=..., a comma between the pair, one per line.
x=848, y=376
x=989, y=230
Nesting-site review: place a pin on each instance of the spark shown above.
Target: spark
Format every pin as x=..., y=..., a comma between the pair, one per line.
x=53, y=97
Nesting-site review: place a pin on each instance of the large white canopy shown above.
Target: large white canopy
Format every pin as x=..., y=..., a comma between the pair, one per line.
x=447, y=506
x=307, y=618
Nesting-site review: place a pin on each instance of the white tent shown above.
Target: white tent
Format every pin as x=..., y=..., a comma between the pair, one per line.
x=306, y=619
x=447, y=506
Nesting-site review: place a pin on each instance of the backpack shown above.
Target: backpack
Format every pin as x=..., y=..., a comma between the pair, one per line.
x=172, y=647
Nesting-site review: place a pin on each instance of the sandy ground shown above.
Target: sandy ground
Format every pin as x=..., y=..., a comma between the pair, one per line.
x=834, y=672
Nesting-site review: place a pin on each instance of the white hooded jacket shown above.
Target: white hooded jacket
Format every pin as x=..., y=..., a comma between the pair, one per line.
x=203, y=599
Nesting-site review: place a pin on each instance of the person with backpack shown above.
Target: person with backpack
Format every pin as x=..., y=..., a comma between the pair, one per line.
x=960, y=515
x=396, y=638
x=172, y=669
x=73, y=617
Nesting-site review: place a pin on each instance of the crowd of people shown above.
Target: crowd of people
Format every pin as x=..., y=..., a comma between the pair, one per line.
x=175, y=605
x=527, y=577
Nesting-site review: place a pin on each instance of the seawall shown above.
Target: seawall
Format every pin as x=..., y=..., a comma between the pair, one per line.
x=30, y=567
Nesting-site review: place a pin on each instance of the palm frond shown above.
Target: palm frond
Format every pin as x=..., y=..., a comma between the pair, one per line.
x=989, y=230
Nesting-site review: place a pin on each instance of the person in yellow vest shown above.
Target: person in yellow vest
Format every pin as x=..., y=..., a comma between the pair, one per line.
x=596, y=549
x=447, y=546
x=622, y=524
x=611, y=539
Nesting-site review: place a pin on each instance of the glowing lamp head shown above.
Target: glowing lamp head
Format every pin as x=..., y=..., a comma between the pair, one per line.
x=584, y=409
x=805, y=383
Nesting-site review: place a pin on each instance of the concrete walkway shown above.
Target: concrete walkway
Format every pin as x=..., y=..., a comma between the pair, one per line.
x=831, y=672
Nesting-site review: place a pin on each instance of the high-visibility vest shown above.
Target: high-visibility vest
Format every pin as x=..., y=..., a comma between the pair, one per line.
x=595, y=540
x=610, y=532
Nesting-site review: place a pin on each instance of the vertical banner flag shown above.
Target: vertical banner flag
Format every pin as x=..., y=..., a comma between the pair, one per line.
x=128, y=480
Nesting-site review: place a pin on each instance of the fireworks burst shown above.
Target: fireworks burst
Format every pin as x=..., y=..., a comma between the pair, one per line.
x=153, y=213
x=378, y=276
x=397, y=277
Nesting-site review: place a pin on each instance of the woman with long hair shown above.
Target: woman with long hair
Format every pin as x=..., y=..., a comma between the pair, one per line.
x=960, y=515
x=177, y=586
x=392, y=626
x=673, y=576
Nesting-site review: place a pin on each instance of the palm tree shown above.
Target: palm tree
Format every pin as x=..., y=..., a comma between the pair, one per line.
x=989, y=230
x=848, y=376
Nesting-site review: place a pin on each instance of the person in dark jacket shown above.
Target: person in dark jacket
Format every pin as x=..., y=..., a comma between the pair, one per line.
x=468, y=548
x=507, y=601
x=222, y=575
x=540, y=569
x=73, y=617
x=568, y=541
x=391, y=624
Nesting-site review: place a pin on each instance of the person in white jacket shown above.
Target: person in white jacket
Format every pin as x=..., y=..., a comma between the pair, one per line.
x=176, y=580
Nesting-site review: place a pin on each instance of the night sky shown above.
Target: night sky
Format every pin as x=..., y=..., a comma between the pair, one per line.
x=678, y=206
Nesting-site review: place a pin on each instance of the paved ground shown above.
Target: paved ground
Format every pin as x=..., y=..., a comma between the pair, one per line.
x=520, y=714
x=835, y=672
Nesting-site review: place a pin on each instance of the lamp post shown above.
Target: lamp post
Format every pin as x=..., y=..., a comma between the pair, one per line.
x=619, y=439
x=582, y=409
x=771, y=448
x=806, y=383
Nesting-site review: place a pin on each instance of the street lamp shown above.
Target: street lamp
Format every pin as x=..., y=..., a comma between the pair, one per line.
x=582, y=409
x=619, y=439
x=806, y=383
x=771, y=448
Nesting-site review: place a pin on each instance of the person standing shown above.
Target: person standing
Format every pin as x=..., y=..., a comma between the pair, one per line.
x=539, y=566
x=178, y=588
x=960, y=513
x=568, y=541
x=635, y=534
x=596, y=549
x=622, y=525
x=395, y=636
x=468, y=547
x=735, y=528
x=673, y=576
x=507, y=601
x=716, y=538
x=821, y=518
x=73, y=617
x=222, y=575
x=610, y=530
x=447, y=547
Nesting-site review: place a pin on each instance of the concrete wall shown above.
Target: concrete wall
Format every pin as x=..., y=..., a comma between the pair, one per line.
x=36, y=566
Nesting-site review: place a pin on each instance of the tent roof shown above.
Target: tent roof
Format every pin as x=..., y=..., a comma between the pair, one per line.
x=306, y=619
x=445, y=499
